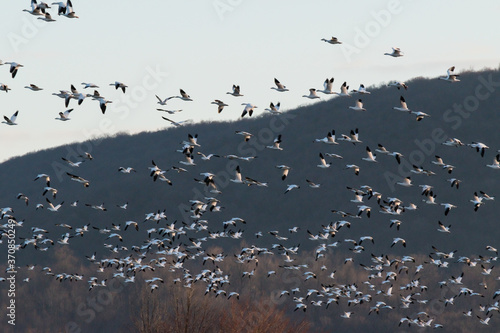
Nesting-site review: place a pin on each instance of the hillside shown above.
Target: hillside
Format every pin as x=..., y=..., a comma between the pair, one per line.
x=466, y=110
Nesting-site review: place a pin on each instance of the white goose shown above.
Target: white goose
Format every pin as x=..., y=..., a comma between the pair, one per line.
x=398, y=85
x=184, y=96
x=496, y=163
x=312, y=94
x=420, y=115
x=276, y=143
x=362, y=90
x=344, y=90
x=323, y=164
x=119, y=85
x=327, y=86
x=4, y=87
x=450, y=76
x=63, y=116
x=370, y=156
x=33, y=87
x=329, y=139
x=279, y=86
x=163, y=101
x=274, y=109
x=358, y=106
x=220, y=105
x=246, y=135
x=396, y=52
x=235, y=92
x=249, y=108
x=11, y=120
x=14, y=66
x=403, y=106
x=53, y=208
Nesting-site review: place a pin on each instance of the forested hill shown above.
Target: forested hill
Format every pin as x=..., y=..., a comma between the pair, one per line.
x=467, y=110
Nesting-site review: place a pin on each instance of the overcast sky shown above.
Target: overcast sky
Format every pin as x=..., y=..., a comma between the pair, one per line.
x=204, y=47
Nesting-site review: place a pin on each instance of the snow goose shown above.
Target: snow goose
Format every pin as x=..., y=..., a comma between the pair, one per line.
x=4, y=87
x=403, y=106
x=496, y=163
x=53, y=208
x=184, y=96
x=47, y=18
x=370, y=156
x=89, y=85
x=398, y=85
x=358, y=106
x=344, y=90
x=327, y=86
x=279, y=86
x=235, y=91
x=480, y=147
x=312, y=185
x=323, y=164
x=398, y=240
x=447, y=207
x=329, y=139
x=274, y=109
x=103, y=104
x=443, y=228
x=220, y=105
x=177, y=123
x=285, y=170
x=333, y=40
x=11, y=120
x=63, y=116
x=73, y=164
x=276, y=143
x=169, y=111
x=450, y=76
x=477, y=201
x=396, y=52
x=246, y=135
x=362, y=90
x=33, y=87
x=291, y=187
x=420, y=115
x=163, y=101
x=14, y=66
x=312, y=94
x=249, y=108
x=119, y=85
x=79, y=179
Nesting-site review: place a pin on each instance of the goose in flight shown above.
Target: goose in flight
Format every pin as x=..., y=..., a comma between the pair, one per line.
x=183, y=95
x=235, y=91
x=4, y=87
x=47, y=18
x=323, y=164
x=450, y=76
x=163, y=101
x=312, y=94
x=33, y=87
x=327, y=86
x=237, y=178
x=89, y=85
x=53, y=208
x=206, y=157
x=362, y=90
x=480, y=147
x=285, y=169
x=447, y=207
x=396, y=52
x=220, y=105
x=358, y=106
x=333, y=40
x=420, y=115
x=353, y=137
x=291, y=187
x=403, y=106
x=381, y=149
x=119, y=85
x=73, y=164
x=329, y=139
x=69, y=12
x=276, y=143
x=14, y=67
x=249, y=107
x=63, y=116
x=177, y=123
x=443, y=228
x=496, y=163
x=79, y=179
x=398, y=85
x=246, y=135
x=406, y=182
x=169, y=111
x=35, y=9
x=398, y=240
x=44, y=176
x=354, y=167
x=274, y=109
x=370, y=156
x=63, y=6
x=103, y=104
x=344, y=90
x=312, y=185
x=11, y=120
x=279, y=86
x=477, y=201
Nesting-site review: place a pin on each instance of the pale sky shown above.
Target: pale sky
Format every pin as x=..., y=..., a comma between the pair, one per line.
x=204, y=47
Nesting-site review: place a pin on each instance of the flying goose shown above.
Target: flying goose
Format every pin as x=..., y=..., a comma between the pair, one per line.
x=329, y=139
x=47, y=18
x=12, y=120
x=276, y=143
x=53, y=208
x=183, y=95
x=291, y=187
x=496, y=163
x=403, y=106
x=249, y=107
x=327, y=86
x=73, y=164
x=358, y=106
x=450, y=76
x=447, y=207
x=312, y=94
x=126, y=170
x=274, y=109
x=398, y=85
x=33, y=87
x=119, y=85
x=163, y=101
x=4, y=87
x=362, y=90
x=14, y=66
x=323, y=164
x=279, y=86
x=333, y=40
x=396, y=52
x=246, y=135
x=79, y=179
x=220, y=105
x=235, y=91
x=370, y=156
x=286, y=170
x=63, y=116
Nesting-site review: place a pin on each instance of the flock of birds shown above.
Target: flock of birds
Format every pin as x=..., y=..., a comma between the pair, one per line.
x=169, y=245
